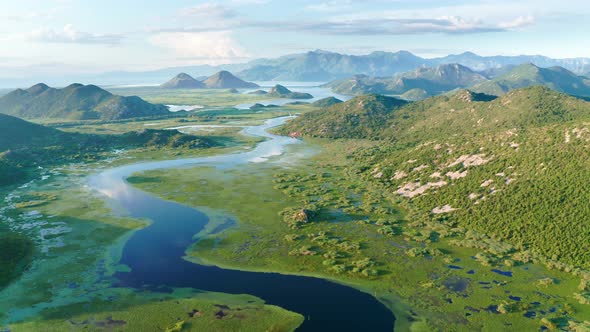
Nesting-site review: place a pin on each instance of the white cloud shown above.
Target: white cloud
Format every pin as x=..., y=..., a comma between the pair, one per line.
x=518, y=22
x=207, y=11
x=69, y=34
x=211, y=47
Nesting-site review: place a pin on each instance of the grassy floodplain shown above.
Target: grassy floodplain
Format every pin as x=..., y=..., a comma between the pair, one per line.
x=76, y=244
x=203, y=97
x=361, y=235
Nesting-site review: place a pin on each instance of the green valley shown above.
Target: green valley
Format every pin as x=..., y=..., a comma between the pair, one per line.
x=294, y=166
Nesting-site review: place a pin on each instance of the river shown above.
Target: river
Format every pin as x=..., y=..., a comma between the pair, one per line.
x=155, y=254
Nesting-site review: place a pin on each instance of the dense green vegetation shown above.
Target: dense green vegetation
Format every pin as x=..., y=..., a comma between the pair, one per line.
x=75, y=102
x=326, y=102
x=528, y=143
x=16, y=252
x=360, y=117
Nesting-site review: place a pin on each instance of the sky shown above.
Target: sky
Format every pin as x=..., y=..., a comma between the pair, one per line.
x=65, y=36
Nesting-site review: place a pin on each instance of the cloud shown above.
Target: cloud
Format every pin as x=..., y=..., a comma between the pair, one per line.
x=69, y=35
x=396, y=26
x=211, y=47
x=209, y=17
x=207, y=11
x=518, y=22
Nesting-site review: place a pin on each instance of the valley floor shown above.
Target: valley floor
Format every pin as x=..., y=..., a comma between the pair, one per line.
x=308, y=212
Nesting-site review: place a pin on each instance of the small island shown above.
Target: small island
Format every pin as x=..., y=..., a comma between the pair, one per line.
x=280, y=91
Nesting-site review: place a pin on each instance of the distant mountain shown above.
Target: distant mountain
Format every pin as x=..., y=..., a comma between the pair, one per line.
x=183, y=81
x=556, y=78
x=318, y=66
x=322, y=66
x=480, y=63
x=419, y=83
x=279, y=91
x=226, y=80
x=76, y=101
x=326, y=102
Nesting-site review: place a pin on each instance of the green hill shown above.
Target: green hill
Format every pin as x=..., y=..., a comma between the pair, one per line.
x=183, y=81
x=24, y=146
x=76, y=101
x=372, y=116
x=359, y=117
x=226, y=80
x=482, y=158
x=417, y=84
x=556, y=78
x=326, y=102
x=279, y=91
x=17, y=133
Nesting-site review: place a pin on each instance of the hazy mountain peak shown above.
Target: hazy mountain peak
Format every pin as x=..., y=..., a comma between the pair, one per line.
x=38, y=89
x=226, y=80
x=183, y=81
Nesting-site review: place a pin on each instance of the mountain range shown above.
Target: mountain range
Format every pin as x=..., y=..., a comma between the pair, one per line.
x=426, y=82
x=556, y=78
x=416, y=84
x=76, y=101
x=324, y=66
x=318, y=66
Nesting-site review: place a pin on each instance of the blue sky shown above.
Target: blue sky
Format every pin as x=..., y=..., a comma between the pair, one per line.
x=93, y=36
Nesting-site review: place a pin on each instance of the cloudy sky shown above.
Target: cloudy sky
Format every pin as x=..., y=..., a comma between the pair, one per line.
x=95, y=36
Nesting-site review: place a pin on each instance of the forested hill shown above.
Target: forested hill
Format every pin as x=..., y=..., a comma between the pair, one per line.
x=76, y=102
x=556, y=78
x=25, y=146
x=361, y=117
x=464, y=112
x=505, y=175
